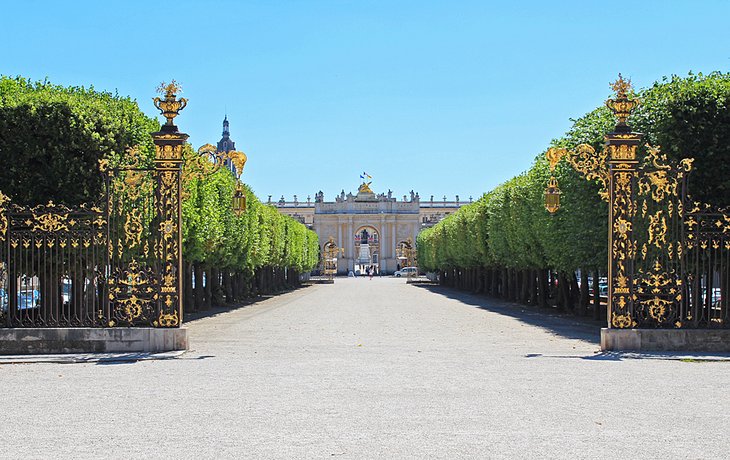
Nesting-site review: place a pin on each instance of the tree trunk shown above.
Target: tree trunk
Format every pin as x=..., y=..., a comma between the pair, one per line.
x=525, y=291
x=584, y=297
x=494, y=289
x=514, y=283
x=543, y=288
x=208, y=289
x=596, y=296
x=532, y=287
x=575, y=294
x=215, y=287
x=188, y=296
x=199, y=292
x=563, y=292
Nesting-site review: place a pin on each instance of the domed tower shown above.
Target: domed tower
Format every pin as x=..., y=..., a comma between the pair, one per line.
x=226, y=144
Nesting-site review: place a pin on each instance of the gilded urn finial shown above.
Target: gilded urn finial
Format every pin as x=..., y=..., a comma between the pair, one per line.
x=170, y=106
x=622, y=105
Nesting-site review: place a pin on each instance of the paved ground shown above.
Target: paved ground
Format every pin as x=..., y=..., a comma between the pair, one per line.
x=372, y=369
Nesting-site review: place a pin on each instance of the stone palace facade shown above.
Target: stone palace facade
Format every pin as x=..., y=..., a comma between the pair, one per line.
x=368, y=226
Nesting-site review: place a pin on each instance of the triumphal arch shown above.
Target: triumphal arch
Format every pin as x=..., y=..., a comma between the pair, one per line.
x=369, y=227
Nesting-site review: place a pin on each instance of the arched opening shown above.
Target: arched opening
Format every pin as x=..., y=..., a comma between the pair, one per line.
x=367, y=250
x=405, y=254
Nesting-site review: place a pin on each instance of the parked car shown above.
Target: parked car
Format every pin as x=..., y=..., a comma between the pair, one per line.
x=26, y=299
x=602, y=290
x=406, y=271
x=66, y=292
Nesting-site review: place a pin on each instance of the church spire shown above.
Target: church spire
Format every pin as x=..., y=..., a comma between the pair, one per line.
x=226, y=144
x=226, y=131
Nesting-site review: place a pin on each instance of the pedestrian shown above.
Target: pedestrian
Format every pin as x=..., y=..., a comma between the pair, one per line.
x=371, y=271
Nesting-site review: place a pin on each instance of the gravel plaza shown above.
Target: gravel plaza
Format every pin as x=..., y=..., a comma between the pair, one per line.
x=373, y=369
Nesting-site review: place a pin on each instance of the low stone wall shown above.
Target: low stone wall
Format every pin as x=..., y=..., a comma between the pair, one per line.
x=712, y=340
x=19, y=341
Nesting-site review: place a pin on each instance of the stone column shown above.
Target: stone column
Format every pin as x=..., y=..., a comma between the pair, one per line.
x=394, y=233
x=340, y=243
x=394, y=227
x=383, y=243
x=350, y=244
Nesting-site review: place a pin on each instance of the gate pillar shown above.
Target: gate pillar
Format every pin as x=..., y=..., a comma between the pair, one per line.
x=169, y=143
x=621, y=149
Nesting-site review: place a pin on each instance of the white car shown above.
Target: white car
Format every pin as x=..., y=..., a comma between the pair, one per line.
x=406, y=271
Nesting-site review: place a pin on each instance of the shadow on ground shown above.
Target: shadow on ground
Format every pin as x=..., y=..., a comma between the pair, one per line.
x=221, y=309
x=563, y=325
x=685, y=356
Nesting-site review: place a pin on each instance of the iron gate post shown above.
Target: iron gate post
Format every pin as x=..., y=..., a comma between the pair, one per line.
x=621, y=148
x=169, y=143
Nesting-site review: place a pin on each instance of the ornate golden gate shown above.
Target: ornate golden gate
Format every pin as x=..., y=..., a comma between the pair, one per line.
x=668, y=255
x=115, y=263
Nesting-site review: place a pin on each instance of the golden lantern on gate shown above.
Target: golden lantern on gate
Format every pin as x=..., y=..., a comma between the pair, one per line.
x=552, y=195
x=238, y=161
x=552, y=192
x=239, y=201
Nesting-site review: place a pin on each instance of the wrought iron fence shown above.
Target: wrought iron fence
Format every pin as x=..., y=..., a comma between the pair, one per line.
x=53, y=265
x=707, y=252
x=680, y=253
x=117, y=263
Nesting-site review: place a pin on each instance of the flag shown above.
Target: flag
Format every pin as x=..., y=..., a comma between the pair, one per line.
x=362, y=177
x=367, y=175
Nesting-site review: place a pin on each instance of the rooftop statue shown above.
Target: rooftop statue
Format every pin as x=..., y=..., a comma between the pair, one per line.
x=365, y=188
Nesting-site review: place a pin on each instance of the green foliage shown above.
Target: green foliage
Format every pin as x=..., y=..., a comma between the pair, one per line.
x=53, y=138
x=509, y=227
x=260, y=237
x=690, y=118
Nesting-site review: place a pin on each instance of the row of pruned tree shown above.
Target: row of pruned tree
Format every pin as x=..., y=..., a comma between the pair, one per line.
x=227, y=257
x=52, y=139
x=506, y=244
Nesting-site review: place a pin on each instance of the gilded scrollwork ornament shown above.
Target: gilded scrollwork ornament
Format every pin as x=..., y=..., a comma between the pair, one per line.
x=3, y=216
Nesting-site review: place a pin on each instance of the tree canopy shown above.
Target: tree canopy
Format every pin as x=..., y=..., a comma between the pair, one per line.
x=52, y=138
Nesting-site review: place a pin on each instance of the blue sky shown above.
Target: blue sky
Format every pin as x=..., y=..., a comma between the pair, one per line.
x=445, y=98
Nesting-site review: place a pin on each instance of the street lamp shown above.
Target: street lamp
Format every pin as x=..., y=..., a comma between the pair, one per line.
x=411, y=254
x=552, y=192
x=406, y=253
x=239, y=201
x=238, y=160
x=331, y=251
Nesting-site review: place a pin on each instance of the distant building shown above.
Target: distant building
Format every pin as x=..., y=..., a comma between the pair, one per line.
x=368, y=226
